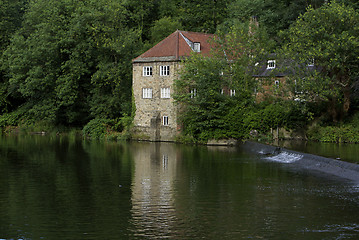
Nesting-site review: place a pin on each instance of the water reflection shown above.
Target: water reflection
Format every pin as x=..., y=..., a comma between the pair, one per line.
x=153, y=210
x=60, y=188
x=72, y=189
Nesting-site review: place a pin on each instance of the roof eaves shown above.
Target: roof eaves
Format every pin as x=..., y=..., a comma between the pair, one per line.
x=156, y=59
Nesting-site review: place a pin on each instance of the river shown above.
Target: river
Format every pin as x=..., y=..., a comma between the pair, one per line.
x=66, y=188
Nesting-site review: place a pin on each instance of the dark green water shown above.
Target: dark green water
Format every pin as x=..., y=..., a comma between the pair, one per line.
x=59, y=188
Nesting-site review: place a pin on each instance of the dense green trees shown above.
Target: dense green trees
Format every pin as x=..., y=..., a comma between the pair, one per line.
x=67, y=62
x=275, y=15
x=329, y=37
x=11, y=12
x=216, y=93
x=163, y=28
x=327, y=34
x=71, y=61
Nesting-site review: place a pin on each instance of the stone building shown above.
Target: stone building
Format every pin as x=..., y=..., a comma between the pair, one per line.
x=153, y=75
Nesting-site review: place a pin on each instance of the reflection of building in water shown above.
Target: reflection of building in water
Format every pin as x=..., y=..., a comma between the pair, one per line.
x=153, y=212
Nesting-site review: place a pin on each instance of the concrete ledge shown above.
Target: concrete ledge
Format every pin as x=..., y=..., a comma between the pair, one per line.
x=224, y=142
x=308, y=161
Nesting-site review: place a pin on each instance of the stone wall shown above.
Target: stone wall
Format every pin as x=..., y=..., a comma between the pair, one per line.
x=148, y=121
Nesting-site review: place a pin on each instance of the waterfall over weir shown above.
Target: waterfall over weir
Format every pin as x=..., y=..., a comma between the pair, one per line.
x=307, y=161
x=285, y=157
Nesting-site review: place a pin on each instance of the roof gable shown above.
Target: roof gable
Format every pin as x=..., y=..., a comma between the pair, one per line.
x=176, y=46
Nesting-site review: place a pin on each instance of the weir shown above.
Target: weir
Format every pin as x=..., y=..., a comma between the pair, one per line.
x=285, y=157
x=304, y=160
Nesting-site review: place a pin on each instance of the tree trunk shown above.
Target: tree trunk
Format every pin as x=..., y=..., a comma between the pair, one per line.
x=332, y=109
x=346, y=102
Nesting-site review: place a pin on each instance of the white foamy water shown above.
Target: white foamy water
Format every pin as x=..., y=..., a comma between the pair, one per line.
x=285, y=157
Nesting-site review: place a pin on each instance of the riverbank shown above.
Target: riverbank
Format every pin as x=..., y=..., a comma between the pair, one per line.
x=306, y=161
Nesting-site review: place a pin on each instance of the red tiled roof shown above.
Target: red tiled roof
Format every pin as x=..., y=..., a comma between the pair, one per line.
x=175, y=46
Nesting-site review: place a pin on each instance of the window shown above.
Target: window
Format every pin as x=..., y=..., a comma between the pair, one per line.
x=197, y=47
x=276, y=83
x=311, y=62
x=232, y=92
x=165, y=71
x=222, y=91
x=147, y=92
x=165, y=121
x=165, y=160
x=271, y=64
x=165, y=92
x=147, y=71
x=193, y=92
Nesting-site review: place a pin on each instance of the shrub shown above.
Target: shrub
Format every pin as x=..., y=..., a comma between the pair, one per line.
x=96, y=128
x=187, y=139
x=339, y=134
x=124, y=124
x=12, y=118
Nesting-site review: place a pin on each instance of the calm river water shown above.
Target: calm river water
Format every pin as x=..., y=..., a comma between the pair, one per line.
x=60, y=188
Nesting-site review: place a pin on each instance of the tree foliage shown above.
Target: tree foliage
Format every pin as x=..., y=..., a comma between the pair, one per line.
x=72, y=60
x=68, y=62
x=11, y=12
x=163, y=28
x=275, y=15
x=329, y=35
x=206, y=83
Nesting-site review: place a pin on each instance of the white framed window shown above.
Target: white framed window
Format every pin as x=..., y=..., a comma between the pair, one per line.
x=164, y=70
x=147, y=71
x=165, y=121
x=165, y=93
x=165, y=160
x=270, y=64
x=311, y=62
x=146, y=92
x=197, y=47
x=232, y=92
x=193, y=92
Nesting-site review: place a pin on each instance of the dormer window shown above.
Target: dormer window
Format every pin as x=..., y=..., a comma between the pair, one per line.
x=311, y=62
x=197, y=47
x=270, y=64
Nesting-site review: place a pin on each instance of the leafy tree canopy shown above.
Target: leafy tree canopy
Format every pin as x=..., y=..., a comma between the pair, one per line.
x=275, y=15
x=163, y=28
x=329, y=35
x=212, y=91
x=72, y=60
